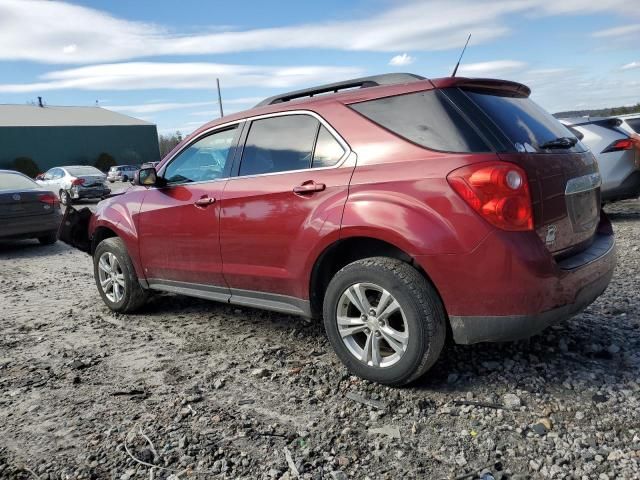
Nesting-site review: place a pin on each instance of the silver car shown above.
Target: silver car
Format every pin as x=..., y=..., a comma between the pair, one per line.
x=609, y=138
x=75, y=182
x=122, y=173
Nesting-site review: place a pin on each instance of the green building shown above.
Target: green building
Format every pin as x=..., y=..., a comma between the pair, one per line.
x=56, y=136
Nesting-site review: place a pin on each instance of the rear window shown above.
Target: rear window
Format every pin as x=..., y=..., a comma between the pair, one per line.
x=634, y=123
x=522, y=121
x=83, y=171
x=15, y=181
x=427, y=118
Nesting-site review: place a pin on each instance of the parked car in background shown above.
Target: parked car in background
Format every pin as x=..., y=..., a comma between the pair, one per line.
x=27, y=210
x=395, y=207
x=75, y=182
x=122, y=173
x=618, y=154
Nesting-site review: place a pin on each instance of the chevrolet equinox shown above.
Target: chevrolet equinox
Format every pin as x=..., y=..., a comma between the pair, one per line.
x=397, y=208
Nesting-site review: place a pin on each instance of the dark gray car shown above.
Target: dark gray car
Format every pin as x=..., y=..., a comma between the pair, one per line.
x=27, y=210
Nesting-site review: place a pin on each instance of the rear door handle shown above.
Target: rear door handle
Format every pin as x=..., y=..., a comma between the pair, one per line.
x=309, y=187
x=204, y=202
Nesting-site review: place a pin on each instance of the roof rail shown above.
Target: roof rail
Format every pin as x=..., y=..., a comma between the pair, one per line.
x=364, y=82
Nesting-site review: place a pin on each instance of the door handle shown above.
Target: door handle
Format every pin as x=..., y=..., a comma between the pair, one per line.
x=204, y=202
x=309, y=187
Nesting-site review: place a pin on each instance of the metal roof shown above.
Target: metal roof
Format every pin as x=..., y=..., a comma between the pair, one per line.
x=55, y=116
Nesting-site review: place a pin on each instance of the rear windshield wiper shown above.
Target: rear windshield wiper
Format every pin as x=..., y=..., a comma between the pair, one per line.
x=561, y=142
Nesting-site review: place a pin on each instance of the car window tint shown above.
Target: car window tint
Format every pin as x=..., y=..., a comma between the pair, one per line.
x=75, y=171
x=328, y=151
x=522, y=120
x=206, y=159
x=634, y=123
x=279, y=144
x=425, y=118
x=14, y=181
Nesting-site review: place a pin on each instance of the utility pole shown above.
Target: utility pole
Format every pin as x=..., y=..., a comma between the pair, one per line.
x=219, y=98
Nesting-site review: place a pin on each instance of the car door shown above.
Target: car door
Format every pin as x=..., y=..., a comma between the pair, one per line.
x=178, y=222
x=290, y=186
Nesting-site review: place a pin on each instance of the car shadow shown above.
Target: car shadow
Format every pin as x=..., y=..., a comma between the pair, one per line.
x=575, y=349
x=10, y=249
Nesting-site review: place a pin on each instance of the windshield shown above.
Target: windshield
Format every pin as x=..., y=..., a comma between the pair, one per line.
x=15, y=181
x=83, y=171
x=523, y=122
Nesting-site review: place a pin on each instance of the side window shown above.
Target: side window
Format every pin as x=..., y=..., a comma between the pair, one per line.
x=279, y=144
x=49, y=174
x=206, y=159
x=328, y=151
x=57, y=173
x=425, y=118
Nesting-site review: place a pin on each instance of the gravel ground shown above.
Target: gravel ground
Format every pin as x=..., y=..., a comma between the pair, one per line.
x=206, y=390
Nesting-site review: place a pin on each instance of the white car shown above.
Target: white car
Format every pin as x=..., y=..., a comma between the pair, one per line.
x=75, y=182
x=609, y=138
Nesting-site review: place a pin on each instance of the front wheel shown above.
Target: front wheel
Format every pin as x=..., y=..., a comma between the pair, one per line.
x=116, y=278
x=384, y=320
x=125, y=179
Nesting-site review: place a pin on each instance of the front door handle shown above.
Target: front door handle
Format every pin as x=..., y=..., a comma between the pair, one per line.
x=204, y=201
x=309, y=187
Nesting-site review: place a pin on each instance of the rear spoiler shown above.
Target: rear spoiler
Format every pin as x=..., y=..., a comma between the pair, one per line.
x=492, y=86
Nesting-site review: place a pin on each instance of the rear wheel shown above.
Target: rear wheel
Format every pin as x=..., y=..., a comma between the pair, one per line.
x=49, y=239
x=116, y=278
x=384, y=320
x=65, y=198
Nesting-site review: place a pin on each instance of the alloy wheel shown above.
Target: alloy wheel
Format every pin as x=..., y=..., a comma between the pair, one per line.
x=372, y=325
x=111, y=277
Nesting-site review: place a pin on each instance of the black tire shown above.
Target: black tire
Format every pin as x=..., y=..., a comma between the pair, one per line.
x=111, y=181
x=65, y=198
x=49, y=239
x=423, y=311
x=134, y=295
x=125, y=178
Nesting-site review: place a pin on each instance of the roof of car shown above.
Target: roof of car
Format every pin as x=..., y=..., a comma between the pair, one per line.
x=363, y=89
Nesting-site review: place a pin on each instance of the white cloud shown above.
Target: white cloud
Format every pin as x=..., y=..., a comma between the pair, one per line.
x=40, y=31
x=400, y=60
x=148, y=75
x=622, y=30
x=158, y=107
x=493, y=68
x=630, y=66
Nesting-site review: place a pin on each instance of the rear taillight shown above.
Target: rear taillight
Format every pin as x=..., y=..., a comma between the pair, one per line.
x=77, y=181
x=49, y=199
x=618, y=145
x=498, y=191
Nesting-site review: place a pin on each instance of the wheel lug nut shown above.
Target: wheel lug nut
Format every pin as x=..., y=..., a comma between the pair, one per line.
x=363, y=317
x=367, y=331
x=377, y=334
x=372, y=312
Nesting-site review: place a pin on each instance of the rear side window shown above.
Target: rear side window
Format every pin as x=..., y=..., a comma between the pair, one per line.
x=427, y=118
x=14, y=181
x=634, y=123
x=328, y=151
x=279, y=144
x=522, y=121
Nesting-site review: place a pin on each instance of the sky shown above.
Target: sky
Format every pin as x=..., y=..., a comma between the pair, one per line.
x=159, y=60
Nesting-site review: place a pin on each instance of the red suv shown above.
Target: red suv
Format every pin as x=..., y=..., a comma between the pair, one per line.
x=397, y=208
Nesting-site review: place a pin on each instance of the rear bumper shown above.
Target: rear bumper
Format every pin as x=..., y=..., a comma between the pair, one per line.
x=468, y=330
x=510, y=289
x=32, y=226
x=97, y=192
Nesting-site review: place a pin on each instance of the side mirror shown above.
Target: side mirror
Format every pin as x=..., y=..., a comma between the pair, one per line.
x=146, y=177
x=40, y=176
